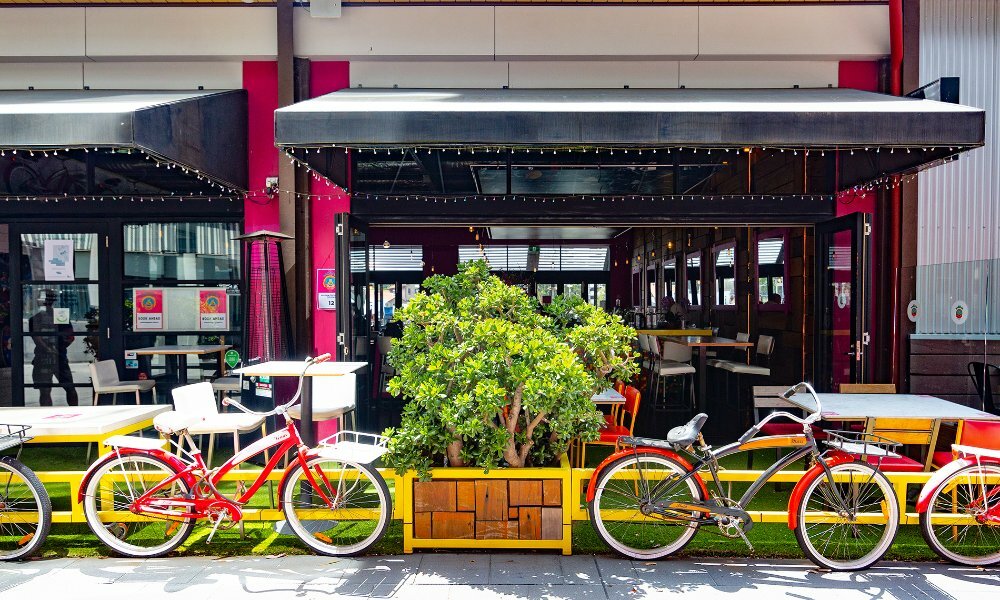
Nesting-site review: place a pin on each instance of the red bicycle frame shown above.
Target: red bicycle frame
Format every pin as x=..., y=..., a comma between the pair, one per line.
x=201, y=505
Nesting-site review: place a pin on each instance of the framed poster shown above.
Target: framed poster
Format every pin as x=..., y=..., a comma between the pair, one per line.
x=213, y=309
x=148, y=308
x=326, y=289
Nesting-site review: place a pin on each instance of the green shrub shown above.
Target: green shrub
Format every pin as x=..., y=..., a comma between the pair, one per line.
x=493, y=379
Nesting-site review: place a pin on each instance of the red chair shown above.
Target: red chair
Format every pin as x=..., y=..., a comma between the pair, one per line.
x=612, y=418
x=981, y=434
x=611, y=432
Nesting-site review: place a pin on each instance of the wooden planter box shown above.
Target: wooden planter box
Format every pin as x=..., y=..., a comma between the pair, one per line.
x=505, y=508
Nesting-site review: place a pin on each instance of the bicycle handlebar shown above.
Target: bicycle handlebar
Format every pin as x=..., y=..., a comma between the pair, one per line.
x=281, y=408
x=787, y=394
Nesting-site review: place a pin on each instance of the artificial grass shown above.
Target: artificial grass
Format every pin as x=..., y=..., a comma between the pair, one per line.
x=770, y=540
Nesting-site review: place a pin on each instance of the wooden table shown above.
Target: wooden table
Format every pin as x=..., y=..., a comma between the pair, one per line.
x=181, y=353
x=862, y=407
x=703, y=343
x=292, y=368
x=55, y=425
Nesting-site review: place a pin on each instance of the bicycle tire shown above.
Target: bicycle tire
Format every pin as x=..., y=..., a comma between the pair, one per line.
x=36, y=538
x=623, y=547
x=931, y=535
x=313, y=537
x=116, y=542
x=846, y=541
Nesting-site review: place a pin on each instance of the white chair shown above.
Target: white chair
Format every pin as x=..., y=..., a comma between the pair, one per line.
x=675, y=361
x=104, y=377
x=196, y=413
x=333, y=398
x=741, y=336
x=761, y=368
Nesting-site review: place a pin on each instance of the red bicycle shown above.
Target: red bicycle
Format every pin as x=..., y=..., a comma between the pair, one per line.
x=142, y=501
x=960, y=508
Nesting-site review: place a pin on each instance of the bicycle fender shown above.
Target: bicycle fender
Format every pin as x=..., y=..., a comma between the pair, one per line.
x=172, y=460
x=800, y=488
x=592, y=486
x=938, y=479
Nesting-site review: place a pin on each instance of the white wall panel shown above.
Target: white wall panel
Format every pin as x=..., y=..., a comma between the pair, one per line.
x=818, y=32
x=163, y=75
x=668, y=32
x=41, y=76
x=590, y=74
x=41, y=33
x=397, y=31
x=428, y=74
x=958, y=214
x=181, y=32
x=761, y=74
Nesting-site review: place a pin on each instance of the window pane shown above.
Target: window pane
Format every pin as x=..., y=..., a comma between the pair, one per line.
x=212, y=310
x=182, y=251
x=573, y=289
x=54, y=365
x=72, y=305
x=725, y=276
x=771, y=270
x=36, y=266
x=693, y=273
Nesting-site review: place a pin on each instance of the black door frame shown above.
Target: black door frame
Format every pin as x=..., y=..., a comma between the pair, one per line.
x=859, y=226
x=109, y=288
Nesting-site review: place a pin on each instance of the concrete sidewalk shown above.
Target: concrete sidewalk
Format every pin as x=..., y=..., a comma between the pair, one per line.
x=471, y=576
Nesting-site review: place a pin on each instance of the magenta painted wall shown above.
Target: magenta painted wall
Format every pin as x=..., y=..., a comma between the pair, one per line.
x=260, y=80
x=325, y=77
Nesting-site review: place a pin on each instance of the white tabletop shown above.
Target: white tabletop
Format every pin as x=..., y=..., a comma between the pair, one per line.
x=293, y=368
x=863, y=406
x=608, y=396
x=79, y=420
x=183, y=349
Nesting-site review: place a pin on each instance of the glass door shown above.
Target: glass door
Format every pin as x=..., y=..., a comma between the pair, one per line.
x=841, y=296
x=354, y=311
x=58, y=322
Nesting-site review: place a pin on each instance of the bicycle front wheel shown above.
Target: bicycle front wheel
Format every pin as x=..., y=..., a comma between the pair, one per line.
x=109, y=497
x=957, y=522
x=336, y=508
x=628, y=491
x=25, y=511
x=848, y=523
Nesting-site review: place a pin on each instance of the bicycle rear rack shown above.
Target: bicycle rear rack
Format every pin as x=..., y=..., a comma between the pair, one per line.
x=13, y=435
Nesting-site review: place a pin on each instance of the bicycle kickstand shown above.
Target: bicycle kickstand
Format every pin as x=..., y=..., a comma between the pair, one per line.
x=215, y=527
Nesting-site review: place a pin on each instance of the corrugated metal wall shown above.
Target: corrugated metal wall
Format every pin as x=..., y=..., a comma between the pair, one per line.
x=958, y=241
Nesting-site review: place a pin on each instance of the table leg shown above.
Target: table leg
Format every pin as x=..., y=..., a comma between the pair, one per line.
x=182, y=369
x=702, y=373
x=306, y=416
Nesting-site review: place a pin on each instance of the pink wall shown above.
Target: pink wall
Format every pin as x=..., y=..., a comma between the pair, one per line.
x=325, y=77
x=260, y=80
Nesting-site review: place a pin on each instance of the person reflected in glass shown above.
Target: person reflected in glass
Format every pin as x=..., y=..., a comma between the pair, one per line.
x=51, y=357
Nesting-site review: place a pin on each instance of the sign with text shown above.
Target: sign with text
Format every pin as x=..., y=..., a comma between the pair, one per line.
x=213, y=310
x=148, y=308
x=326, y=289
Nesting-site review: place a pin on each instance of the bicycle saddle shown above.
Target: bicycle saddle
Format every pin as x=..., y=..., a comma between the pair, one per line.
x=686, y=434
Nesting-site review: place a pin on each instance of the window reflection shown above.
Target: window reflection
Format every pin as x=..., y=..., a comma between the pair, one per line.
x=693, y=277
x=725, y=274
x=771, y=270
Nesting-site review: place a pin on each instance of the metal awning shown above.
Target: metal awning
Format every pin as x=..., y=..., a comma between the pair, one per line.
x=667, y=117
x=202, y=131
x=858, y=133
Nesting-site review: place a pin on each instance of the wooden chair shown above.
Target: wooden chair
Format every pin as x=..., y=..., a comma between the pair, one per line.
x=611, y=433
x=922, y=432
x=868, y=388
x=981, y=434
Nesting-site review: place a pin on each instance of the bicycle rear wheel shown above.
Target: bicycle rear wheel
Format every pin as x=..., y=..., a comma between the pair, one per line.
x=25, y=511
x=624, y=488
x=956, y=524
x=848, y=523
x=358, y=516
x=111, y=491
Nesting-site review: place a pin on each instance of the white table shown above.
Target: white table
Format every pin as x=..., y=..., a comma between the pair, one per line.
x=52, y=425
x=860, y=407
x=292, y=368
x=608, y=396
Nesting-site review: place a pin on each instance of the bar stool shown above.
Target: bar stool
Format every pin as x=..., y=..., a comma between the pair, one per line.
x=761, y=368
x=223, y=386
x=675, y=361
x=333, y=398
